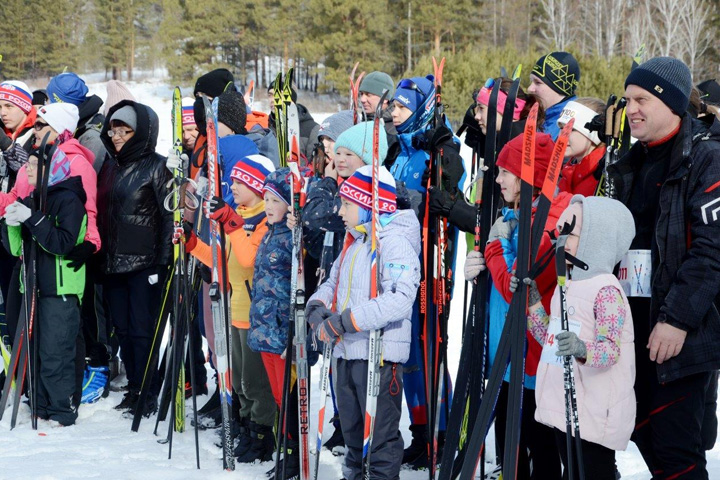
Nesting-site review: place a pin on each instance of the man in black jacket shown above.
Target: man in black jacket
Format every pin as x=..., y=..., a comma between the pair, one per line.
x=670, y=181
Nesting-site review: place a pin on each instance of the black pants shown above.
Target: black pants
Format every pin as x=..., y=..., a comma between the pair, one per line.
x=134, y=305
x=387, y=445
x=669, y=425
x=7, y=263
x=537, y=441
x=599, y=461
x=58, y=327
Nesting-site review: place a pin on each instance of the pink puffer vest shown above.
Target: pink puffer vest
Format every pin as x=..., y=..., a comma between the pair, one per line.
x=605, y=396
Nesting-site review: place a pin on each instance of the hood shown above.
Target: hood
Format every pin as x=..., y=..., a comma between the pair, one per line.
x=88, y=109
x=401, y=223
x=607, y=230
x=146, y=134
x=72, y=184
x=73, y=147
x=22, y=129
x=233, y=148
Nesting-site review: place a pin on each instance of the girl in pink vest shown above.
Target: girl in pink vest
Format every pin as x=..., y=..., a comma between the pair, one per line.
x=600, y=337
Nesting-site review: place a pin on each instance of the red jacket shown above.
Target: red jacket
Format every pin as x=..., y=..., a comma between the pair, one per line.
x=546, y=281
x=579, y=178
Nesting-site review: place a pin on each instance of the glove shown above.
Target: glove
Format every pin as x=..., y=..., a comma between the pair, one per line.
x=331, y=329
x=184, y=233
x=473, y=134
x=175, y=161
x=514, y=282
x=474, y=264
x=534, y=296
x=570, y=344
x=5, y=141
x=316, y=312
x=501, y=229
x=79, y=255
x=217, y=209
x=205, y=273
x=16, y=213
x=441, y=202
x=403, y=196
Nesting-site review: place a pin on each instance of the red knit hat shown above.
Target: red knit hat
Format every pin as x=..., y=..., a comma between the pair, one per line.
x=358, y=189
x=510, y=157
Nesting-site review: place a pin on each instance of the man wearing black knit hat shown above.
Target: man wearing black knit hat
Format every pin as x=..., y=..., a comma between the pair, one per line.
x=670, y=181
x=554, y=79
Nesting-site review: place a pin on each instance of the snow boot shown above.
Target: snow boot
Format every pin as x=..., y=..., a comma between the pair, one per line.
x=290, y=461
x=243, y=439
x=95, y=379
x=129, y=401
x=336, y=443
x=262, y=444
x=416, y=452
x=423, y=462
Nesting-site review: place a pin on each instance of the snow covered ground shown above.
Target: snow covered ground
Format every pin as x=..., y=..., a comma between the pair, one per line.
x=101, y=444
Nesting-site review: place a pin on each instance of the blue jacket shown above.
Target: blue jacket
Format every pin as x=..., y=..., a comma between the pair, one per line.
x=552, y=115
x=270, y=307
x=391, y=310
x=497, y=306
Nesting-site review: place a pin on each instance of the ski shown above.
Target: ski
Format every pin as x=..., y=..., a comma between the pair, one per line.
x=374, y=336
x=572, y=423
x=438, y=260
x=469, y=382
x=217, y=292
x=325, y=263
x=279, y=112
x=354, y=91
x=514, y=331
x=297, y=303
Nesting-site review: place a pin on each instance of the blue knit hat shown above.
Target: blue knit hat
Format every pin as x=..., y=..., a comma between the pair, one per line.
x=412, y=92
x=67, y=87
x=667, y=78
x=418, y=95
x=278, y=183
x=359, y=140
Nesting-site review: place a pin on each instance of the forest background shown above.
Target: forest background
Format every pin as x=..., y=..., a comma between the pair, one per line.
x=323, y=39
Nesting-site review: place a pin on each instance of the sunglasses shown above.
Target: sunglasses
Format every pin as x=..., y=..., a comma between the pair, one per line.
x=39, y=125
x=489, y=83
x=410, y=85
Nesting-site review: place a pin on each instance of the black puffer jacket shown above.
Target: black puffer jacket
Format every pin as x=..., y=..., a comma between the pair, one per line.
x=135, y=228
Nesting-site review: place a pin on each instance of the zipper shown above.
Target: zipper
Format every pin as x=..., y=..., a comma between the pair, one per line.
x=60, y=271
x=349, y=287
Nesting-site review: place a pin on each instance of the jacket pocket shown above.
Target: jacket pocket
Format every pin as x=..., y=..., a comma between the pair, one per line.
x=135, y=239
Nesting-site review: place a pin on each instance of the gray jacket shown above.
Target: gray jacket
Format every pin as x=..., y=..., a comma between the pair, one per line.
x=399, y=267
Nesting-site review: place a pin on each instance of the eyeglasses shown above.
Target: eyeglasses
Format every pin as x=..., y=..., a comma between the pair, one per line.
x=39, y=125
x=122, y=132
x=409, y=84
x=31, y=165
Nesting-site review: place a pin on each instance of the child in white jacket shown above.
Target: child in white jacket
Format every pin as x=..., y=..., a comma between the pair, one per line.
x=342, y=312
x=600, y=337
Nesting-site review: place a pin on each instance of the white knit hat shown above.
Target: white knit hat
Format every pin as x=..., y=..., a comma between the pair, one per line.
x=582, y=116
x=60, y=116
